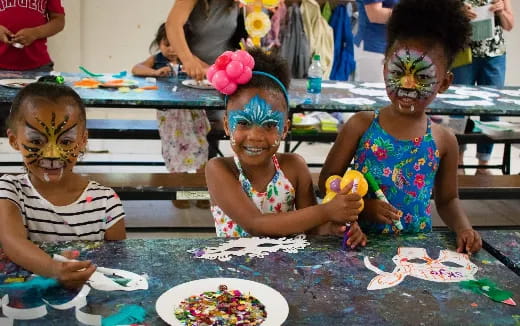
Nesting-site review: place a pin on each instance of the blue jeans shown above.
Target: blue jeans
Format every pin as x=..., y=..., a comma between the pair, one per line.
x=490, y=71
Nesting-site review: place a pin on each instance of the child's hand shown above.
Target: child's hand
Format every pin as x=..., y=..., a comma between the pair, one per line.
x=25, y=36
x=344, y=208
x=163, y=72
x=380, y=212
x=468, y=241
x=5, y=35
x=356, y=236
x=330, y=228
x=74, y=274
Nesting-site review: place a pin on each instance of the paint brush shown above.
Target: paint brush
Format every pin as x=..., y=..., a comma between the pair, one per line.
x=354, y=190
x=380, y=195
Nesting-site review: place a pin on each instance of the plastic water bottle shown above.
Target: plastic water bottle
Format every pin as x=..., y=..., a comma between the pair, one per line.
x=314, y=76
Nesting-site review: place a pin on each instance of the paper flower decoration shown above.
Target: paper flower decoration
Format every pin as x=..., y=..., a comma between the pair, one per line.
x=265, y=3
x=257, y=24
x=231, y=69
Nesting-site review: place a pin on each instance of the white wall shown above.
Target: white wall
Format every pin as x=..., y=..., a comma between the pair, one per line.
x=106, y=35
x=113, y=35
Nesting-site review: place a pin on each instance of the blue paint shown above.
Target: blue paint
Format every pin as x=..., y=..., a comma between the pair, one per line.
x=256, y=112
x=38, y=283
x=129, y=314
x=246, y=268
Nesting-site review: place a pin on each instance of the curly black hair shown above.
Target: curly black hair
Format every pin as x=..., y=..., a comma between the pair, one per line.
x=50, y=91
x=271, y=64
x=440, y=21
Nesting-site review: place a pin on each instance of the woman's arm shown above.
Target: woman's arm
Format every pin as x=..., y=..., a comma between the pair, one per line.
x=377, y=14
x=23, y=252
x=55, y=24
x=241, y=209
x=504, y=10
x=178, y=16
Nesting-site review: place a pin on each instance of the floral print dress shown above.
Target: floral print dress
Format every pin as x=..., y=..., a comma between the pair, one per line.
x=405, y=171
x=278, y=197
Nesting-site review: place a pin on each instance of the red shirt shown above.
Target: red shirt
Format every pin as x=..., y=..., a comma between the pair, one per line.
x=18, y=14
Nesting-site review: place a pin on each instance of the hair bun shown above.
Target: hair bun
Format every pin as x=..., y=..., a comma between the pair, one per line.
x=231, y=69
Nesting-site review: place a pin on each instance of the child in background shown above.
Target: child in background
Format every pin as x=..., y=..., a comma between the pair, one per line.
x=266, y=193
x=183, y=132
x=47, y=125
x=399, y=145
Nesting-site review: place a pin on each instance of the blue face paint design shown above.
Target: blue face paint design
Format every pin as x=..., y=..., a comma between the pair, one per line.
x=256, y=112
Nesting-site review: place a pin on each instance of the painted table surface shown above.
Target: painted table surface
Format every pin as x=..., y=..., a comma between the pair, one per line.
x=504, y=102
x=504, y=244
x=322, y=284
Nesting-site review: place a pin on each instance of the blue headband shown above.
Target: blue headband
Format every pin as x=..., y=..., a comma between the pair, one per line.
x=278, y=82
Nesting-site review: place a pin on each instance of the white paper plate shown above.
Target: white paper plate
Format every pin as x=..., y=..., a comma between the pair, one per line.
x=204, y=84
x=16, y=82
x=275, y=304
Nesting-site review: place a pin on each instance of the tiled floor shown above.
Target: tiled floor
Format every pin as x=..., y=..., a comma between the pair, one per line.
x=482, y=213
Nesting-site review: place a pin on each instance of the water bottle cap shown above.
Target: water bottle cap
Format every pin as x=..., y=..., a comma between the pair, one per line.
x=316, y=57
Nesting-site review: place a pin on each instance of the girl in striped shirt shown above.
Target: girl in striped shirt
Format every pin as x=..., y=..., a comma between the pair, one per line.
x=47, y=125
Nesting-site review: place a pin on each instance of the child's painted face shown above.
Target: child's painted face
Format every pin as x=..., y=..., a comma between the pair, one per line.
x=256, y=122
x=50, y=137
x=167, y=50
x=414, y=74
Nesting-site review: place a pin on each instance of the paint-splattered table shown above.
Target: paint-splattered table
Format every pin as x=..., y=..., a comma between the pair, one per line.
x=336, y=96
x=322, y=284
x=504, y=245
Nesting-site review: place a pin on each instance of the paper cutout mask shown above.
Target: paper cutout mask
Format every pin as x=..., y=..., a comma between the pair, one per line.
x=449, y=267
x=253, y=247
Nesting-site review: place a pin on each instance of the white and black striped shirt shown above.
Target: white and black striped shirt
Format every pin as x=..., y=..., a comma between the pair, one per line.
x=95, y=211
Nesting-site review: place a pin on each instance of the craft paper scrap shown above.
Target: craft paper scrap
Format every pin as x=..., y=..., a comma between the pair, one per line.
x=510, y=92
x=354, y=100
x=254, y=247
x=474, y=93
x=470, y=103
x=341, y=85
x=435, y=270
x=452, y=96
x=490, y=290
x=374, y=85
x=368, y=91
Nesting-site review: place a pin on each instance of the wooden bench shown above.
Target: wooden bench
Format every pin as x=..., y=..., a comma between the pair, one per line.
x=163, y=186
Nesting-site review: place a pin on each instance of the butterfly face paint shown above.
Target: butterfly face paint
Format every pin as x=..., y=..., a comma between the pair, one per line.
x=411, y=74
x=53, y=148
x=256, y=112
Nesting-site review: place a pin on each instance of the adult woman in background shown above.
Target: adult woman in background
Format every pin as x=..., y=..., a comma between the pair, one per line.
x=199, y=31
x=370, y=40
x=488, y=66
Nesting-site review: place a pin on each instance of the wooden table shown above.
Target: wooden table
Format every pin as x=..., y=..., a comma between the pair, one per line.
x=322, y=284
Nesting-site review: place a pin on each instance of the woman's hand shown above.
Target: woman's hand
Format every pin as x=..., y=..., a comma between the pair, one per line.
x=380, y=212
x=25, y=36
x=497, y=6
x=469, y=11
x=5, y=35
x=468, y=241
x=195, y=68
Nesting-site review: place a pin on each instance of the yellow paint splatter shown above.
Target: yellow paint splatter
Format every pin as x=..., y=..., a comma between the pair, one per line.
x=486, y=262
x=14, y=280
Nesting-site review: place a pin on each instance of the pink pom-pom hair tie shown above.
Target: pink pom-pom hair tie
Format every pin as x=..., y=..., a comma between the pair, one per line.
x=236, y=68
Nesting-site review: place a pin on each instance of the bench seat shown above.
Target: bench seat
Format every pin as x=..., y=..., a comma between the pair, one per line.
x=165, y=186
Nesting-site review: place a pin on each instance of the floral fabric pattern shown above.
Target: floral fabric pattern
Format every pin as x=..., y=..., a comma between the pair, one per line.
x=278, y=197
x=405, y=171
x=183, y=139
x=491, y=47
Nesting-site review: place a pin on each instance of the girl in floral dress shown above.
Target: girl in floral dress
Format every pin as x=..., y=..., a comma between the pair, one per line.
x=405, y=153
x=260, y=191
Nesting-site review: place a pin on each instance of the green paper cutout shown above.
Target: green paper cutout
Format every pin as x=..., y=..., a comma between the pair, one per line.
x=486, y=287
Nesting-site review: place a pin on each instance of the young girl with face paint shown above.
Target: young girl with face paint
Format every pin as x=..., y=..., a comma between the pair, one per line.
x=409, y=156
x=47, y=125
x=260, y=191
